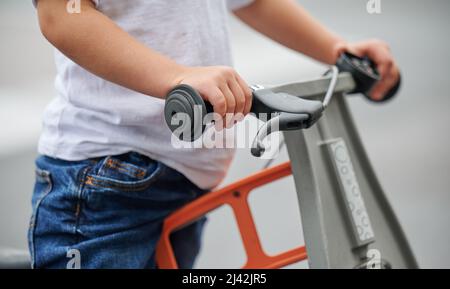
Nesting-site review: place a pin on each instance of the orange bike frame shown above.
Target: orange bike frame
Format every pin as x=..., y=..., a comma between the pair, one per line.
x=236, y=196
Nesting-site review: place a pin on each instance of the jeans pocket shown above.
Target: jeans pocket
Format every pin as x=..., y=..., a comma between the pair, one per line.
x=43, y=186
x=126, y=173
x=132, y=180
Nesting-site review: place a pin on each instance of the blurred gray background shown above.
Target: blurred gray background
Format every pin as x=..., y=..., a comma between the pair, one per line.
x=407, y=140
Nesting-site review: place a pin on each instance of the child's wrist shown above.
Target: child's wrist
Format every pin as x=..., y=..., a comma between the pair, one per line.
x=173, y=78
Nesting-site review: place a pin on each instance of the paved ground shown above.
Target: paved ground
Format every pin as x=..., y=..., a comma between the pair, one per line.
x=407, y=140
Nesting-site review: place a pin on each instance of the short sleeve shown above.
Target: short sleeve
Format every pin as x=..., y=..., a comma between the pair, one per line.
x=236, y=4
x=95, y=2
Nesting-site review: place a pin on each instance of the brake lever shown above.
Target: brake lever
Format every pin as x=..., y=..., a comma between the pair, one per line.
x=282, y=122
x=303, y=115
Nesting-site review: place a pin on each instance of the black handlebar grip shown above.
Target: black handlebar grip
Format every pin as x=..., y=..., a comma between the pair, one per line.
x=365, y=74
x=192, y=109
x=186, y=101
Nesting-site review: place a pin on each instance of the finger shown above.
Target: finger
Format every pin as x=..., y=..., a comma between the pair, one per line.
x=384, y=66
x=220, y=110
x=382, y=85
x=239, y=96
x=382, y=59
x=247, y=94
x=231, y=104
x=218, y=101
x=386, y=84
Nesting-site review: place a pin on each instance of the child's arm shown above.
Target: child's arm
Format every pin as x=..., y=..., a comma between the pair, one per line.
x=289, y=24
x=97, y=44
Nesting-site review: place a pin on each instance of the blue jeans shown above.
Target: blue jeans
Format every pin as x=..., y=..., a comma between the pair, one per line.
x=108, y=213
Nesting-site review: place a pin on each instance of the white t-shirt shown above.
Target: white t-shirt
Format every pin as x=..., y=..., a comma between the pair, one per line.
x=91, y=117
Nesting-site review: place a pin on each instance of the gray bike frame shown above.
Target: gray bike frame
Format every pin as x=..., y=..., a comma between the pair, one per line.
x=347, y=219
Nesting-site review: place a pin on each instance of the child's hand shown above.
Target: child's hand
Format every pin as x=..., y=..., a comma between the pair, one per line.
x=222, y=86
x=378, y=51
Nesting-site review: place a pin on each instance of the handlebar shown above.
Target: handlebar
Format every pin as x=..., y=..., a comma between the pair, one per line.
x=285, y=106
